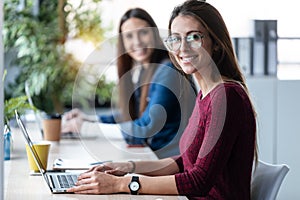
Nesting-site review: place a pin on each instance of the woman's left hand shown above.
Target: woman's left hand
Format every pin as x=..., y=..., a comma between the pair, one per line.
x=95, y=182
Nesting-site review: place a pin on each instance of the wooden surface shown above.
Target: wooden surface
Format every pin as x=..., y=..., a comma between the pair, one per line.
x=18, y=184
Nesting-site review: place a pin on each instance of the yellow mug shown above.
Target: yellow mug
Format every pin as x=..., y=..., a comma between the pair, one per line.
x=42, y=150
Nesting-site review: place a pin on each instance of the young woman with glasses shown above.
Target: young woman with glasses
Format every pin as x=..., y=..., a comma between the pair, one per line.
x=218, y=146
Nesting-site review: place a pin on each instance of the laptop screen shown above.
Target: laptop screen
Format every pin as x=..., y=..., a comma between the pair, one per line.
x=49, y=180
x=29, y=143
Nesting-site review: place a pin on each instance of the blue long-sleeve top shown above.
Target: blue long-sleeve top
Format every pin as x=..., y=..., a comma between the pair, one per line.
x=171, y=98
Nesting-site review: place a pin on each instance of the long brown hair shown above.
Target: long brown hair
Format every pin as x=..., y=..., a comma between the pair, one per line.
x=224, y=56
x=125, y=63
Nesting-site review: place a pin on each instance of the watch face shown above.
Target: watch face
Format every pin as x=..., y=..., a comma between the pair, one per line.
x=134, y=186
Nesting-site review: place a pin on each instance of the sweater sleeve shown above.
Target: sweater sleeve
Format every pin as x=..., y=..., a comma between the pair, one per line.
x=222, y=127
x=109, y=119
x=178, y=160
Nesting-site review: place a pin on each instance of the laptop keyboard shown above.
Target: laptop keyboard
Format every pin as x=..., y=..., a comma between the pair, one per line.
x=67, y=181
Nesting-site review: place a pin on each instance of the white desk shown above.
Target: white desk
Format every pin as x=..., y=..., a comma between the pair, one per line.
x=18, y=184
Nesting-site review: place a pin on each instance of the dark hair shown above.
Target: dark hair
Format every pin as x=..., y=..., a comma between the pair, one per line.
x=125, y=63
x=224, y=56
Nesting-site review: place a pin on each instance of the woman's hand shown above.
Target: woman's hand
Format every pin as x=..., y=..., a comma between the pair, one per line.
x=114, y=168
x=96, y=182
x=73, y=120
x=75, y=113
x=72, y=125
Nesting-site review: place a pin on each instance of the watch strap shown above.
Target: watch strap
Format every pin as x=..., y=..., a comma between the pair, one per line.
x=134, y=179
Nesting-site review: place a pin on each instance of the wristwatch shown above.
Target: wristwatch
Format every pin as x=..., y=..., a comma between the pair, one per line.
x=134, y=185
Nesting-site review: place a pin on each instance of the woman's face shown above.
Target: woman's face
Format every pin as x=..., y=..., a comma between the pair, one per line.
x=138, y=39
x=195, y=44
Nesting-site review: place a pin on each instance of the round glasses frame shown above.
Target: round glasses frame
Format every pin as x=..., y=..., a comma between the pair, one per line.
x=174, y=42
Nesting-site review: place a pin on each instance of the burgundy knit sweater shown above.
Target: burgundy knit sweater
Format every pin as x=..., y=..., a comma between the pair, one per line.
x=217, y=147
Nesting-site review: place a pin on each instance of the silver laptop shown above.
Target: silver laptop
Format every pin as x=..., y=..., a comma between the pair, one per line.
x=58, y=182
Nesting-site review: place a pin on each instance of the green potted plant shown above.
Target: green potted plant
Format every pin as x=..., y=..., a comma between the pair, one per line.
x=15, y=103
x=19, y=103
x=37, y=33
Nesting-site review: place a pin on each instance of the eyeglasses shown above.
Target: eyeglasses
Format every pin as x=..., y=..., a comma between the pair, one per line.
x=173, y=42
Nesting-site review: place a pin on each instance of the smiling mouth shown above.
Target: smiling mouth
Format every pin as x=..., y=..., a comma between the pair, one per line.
x=140, y=51
x=188, y=59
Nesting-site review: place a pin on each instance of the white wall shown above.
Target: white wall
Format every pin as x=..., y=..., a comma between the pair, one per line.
x=158, y=9
x=263, y=92
x=236, y=13
x=288, y=143
x=278, y=106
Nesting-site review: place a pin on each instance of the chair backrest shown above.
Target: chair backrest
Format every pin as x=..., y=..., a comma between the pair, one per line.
x=267, y=179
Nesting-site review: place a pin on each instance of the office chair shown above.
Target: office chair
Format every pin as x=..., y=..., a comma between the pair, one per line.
x=267, y=179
